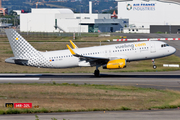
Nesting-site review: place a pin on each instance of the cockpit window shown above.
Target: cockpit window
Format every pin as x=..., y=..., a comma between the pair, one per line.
x=164, y=45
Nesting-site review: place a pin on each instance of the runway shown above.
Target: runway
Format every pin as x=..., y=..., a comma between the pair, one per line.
x=157, y=80
x=101, y=115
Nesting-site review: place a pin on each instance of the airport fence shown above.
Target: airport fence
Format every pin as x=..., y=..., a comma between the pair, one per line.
x=50, y=34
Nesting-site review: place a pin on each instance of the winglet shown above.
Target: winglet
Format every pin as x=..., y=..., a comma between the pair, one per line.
x=70, y=49
x=74, y=46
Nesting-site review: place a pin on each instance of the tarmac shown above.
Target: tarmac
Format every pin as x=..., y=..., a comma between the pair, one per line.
x=157, y=80
x=101, y=115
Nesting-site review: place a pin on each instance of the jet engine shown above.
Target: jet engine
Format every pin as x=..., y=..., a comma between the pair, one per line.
x=115, y=64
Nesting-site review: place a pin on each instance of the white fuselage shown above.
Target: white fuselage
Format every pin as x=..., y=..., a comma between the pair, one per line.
x=129, y=51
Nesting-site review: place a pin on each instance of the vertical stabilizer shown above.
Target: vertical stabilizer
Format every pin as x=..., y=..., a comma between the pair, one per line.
x=20, y=47
x=25, y=53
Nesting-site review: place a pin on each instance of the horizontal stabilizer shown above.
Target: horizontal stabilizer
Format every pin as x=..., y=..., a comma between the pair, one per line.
x=15, y=60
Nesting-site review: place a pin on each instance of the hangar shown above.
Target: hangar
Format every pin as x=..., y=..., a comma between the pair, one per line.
x=143, y=13
x=65, y=20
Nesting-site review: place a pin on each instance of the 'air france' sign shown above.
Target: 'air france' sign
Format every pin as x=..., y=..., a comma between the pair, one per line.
x=141, y=7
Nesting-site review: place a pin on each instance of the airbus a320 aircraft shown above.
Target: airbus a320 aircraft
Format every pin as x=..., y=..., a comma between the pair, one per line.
x=108, y=56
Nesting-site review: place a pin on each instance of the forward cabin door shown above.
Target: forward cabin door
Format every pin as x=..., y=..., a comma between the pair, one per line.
x=153, y=48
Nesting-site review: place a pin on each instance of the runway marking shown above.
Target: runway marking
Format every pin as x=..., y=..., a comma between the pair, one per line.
x=20, y=74
x=19, y=78
x=95, y=80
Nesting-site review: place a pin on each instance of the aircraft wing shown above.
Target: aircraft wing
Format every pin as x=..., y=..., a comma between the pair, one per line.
x=92, y=60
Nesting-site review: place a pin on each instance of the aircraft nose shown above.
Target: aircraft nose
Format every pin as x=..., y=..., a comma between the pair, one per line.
x=173, y=50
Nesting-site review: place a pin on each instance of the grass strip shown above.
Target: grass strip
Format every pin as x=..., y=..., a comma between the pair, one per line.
x=25, y=111
x=65, y=97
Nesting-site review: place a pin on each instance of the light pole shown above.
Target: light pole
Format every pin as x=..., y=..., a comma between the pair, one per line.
x=79, y=34
x=14, y=20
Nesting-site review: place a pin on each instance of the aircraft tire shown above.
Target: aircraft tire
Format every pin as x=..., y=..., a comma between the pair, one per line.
x=154, y=66
x=96, y=73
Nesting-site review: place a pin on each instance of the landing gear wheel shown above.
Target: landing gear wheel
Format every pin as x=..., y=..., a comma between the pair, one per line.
x=96, y=73
x=154, y=66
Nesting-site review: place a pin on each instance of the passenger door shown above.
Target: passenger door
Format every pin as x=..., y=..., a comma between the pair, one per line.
x=153, y=48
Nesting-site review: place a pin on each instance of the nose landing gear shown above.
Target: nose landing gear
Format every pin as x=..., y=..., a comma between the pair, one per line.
x=154, y=66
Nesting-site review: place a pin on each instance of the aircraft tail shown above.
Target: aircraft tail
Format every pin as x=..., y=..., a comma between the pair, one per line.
x=20, y=47
x=24, y=53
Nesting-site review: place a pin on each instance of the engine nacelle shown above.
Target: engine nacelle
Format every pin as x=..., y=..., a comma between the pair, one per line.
x=115, y=64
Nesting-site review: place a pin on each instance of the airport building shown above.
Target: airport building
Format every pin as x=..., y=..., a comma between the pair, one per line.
x=65, y=20
x=145, y=13
x=3, y=11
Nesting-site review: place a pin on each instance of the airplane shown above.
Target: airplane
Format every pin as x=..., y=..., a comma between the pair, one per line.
x=113, y=56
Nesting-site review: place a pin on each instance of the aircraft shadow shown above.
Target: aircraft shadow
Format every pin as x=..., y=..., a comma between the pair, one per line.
x=90, y=76
x=111, y=76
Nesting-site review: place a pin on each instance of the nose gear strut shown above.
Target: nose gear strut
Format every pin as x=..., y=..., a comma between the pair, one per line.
x=153, y=62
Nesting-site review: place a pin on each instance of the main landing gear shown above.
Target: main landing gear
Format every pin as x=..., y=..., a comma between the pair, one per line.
x=96, y=72
x=154, y=66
